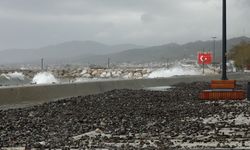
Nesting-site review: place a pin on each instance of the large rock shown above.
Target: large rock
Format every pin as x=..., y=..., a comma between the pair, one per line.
x=84, y=72
x=137, y=75
x=109, y=75
x=103, y=74
x=128, y=75
x=94, y=73
x=86, y=75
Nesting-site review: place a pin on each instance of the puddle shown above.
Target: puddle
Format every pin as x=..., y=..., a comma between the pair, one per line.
x=158, y=88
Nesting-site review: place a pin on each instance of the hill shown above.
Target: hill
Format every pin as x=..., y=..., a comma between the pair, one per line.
x=98, y=53
x=165, y=52
x=61, y=52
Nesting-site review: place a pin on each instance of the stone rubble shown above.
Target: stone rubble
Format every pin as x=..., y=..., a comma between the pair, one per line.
x=130, y=119
x=90, y=73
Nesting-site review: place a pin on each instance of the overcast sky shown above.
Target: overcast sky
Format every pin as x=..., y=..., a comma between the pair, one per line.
x=36, y=23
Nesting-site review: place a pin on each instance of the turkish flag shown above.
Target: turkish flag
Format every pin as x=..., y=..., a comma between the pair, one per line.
x=204, y=58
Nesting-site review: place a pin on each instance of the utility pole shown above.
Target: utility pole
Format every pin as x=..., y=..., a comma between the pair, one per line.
x=42, y=64
x=108, y=63
x=224, y=40
x=167, y=63
x=214, y=49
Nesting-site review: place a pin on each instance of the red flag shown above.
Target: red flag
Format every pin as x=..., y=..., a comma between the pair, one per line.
x=204, y=58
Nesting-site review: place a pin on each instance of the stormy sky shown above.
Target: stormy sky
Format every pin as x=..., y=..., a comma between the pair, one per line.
x=36, y=23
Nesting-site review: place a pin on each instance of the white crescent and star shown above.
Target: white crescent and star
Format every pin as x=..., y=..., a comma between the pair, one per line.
x=202, y=58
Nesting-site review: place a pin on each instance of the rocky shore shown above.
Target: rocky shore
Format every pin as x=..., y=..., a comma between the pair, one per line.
x=134, y=73
x=130, y=119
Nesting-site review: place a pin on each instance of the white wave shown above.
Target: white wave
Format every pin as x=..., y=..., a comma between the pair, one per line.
x=14, y=75
x=44, y=78
x=81, y=80
x=173, y=72
x=4, y=76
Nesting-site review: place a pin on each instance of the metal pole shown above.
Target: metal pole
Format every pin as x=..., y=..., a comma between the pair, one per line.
x=214, y=50
x=108, y=63
x=42, y=64
x=224, y=41
x=203, y=69
x=167, y=63
x=203, y=65
x=248, y=91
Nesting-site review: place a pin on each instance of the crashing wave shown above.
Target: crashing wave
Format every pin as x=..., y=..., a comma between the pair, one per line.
x=13, y=75
x=44, y=78
x=160, y=73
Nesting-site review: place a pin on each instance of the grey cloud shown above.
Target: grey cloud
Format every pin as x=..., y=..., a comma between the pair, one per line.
x=147, y=18
x=35, y=23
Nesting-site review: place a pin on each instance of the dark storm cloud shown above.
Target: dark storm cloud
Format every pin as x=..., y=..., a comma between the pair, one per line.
x=34, y=23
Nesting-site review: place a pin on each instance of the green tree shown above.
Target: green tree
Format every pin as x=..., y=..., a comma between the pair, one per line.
x=240, y=54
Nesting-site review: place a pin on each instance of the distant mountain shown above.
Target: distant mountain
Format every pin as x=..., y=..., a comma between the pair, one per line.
x=165, y=52
x=61, y=52
x=98, y=53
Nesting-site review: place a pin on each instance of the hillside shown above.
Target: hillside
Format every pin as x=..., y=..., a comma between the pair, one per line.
x=61, y=52
x=98, y=53
x=165, y=52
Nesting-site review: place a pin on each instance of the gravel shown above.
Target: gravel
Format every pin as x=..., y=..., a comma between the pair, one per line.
x=130, y=119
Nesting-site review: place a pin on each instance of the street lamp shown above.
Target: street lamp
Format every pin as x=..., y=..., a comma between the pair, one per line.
x=214, y=49
x=224, y=40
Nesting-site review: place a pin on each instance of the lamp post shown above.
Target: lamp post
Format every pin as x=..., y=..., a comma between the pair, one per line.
x=214, y=49
x=224, y=40
x=42, y=64
x=108, y=65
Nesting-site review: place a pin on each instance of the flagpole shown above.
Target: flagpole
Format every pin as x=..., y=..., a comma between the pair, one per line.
x=203, y=65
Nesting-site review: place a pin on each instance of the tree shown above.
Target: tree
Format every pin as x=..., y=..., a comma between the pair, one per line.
x=240, y=54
